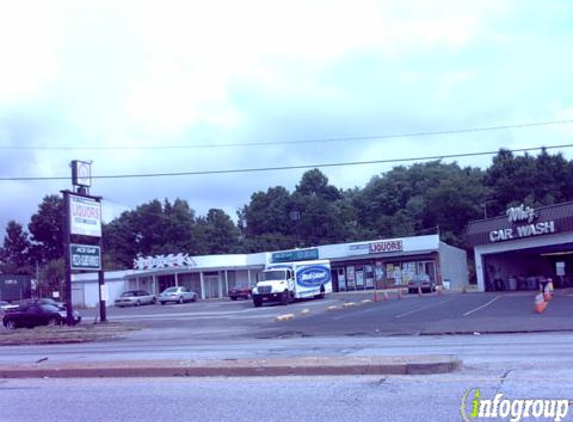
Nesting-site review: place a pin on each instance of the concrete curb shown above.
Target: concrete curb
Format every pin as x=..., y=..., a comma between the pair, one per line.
x=309, y=366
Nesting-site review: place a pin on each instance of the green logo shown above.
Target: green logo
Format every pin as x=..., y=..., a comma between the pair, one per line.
x=475, y=407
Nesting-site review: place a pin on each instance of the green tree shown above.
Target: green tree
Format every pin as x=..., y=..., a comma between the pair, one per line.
x=320, y=209
x=152, y=228
x=15, y=252
x=266, y=223
x=46, y=230
x=216, y=233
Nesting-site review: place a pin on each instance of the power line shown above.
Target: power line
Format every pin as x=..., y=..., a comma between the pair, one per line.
x=295, y=142
x=304, y=166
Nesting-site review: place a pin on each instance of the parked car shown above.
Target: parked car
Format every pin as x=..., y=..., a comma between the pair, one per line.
x=240, y=292
x=44, y=301
x=423, y=282
x=135, y=298
x=178, y=295
x=6, y=306
x=33, y=314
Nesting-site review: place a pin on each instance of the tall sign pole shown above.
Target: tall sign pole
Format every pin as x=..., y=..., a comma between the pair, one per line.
x=69, y=302
x=102, y=287
x=83, y=218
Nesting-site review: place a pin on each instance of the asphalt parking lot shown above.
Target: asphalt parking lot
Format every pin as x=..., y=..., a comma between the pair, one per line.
x=355, y=314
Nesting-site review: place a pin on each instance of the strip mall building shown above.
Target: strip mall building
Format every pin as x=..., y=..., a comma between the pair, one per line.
x=513, y=251
x=355, y=266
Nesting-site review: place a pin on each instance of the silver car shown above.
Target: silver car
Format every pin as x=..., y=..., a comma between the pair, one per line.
x=178, y=295
x=135, y=298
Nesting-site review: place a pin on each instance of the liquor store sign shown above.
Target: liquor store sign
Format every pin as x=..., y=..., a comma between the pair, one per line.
x=85, y=216
x=387, y=246
x=85, y=257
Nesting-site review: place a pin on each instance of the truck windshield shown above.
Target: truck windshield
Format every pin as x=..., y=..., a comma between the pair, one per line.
x=274, y=275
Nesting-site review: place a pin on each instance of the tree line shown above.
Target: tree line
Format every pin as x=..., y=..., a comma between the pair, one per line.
x=423, y=198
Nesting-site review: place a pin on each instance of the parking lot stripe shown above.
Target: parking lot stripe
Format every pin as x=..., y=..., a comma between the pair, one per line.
x=482, y=306
x=423, y=308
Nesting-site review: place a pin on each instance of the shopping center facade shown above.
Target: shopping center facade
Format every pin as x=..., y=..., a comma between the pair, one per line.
x=383, y=263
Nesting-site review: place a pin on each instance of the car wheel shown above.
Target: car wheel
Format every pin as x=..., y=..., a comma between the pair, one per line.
x=53, y=321
x=10, y=325
x=233, y=297
x=180, y=300
x=163, y=303
x=258, y=302
x=194, y=299
x=138, y=303
x=154, y=301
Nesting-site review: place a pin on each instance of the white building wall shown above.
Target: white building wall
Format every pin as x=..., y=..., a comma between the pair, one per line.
x=454, y=266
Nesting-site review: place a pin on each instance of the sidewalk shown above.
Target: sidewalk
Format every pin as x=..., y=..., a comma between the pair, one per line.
x=303, y=366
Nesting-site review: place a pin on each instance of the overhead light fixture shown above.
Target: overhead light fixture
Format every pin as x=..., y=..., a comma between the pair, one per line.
x=557, y=253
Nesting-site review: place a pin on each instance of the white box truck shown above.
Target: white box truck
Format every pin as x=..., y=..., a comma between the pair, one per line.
x=287, y=281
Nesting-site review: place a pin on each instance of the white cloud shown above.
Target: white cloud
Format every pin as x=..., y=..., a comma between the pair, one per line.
x=145, y=72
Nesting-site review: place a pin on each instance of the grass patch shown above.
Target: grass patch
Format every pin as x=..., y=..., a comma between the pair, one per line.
x=81, y=333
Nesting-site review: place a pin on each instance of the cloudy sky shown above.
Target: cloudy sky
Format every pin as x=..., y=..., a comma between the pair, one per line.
x=126, y=78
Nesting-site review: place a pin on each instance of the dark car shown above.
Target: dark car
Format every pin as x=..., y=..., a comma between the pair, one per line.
x=422, y=283
x=33, y=315
x=44, y=301
x=240, y=292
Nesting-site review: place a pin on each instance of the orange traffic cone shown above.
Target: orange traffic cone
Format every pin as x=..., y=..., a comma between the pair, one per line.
x=386, y=297
x=376, y=296
x=399, y=293
x=540, y=304
x=440, y=290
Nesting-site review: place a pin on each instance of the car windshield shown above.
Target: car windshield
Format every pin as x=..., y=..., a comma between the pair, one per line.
x=171, y=290
x=274, y=275
x=49, y=308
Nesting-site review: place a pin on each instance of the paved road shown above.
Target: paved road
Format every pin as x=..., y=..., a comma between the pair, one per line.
x=429, y=314
x=324, y=399
x=450, y=314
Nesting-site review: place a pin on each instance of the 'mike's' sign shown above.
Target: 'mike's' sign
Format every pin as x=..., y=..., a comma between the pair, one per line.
x=522, y=214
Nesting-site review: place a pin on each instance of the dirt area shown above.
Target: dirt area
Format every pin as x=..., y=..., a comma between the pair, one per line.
x=81, y=333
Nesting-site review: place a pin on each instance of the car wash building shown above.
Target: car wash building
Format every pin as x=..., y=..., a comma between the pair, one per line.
x=514, y=250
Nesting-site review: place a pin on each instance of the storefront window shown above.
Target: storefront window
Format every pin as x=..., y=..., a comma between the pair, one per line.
x=379, y=275
x=341, y=279
x=408, y=271
x=360, y=277
x=369, y=276
x=350, y=277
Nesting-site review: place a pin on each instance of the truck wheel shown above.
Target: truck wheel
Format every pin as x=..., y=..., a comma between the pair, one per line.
x=257, y=302
x=285, y=298
x=322, y=293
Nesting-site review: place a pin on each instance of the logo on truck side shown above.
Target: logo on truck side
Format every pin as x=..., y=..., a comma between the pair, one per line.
x=313, y=276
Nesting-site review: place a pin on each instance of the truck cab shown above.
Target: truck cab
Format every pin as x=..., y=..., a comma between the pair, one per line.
x=275, y=285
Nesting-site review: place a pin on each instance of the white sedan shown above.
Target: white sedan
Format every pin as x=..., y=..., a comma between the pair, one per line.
x=178, y=295
x=135, y=298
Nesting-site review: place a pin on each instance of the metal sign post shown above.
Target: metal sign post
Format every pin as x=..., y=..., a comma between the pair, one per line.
x=69, y=304
x=82, y=215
